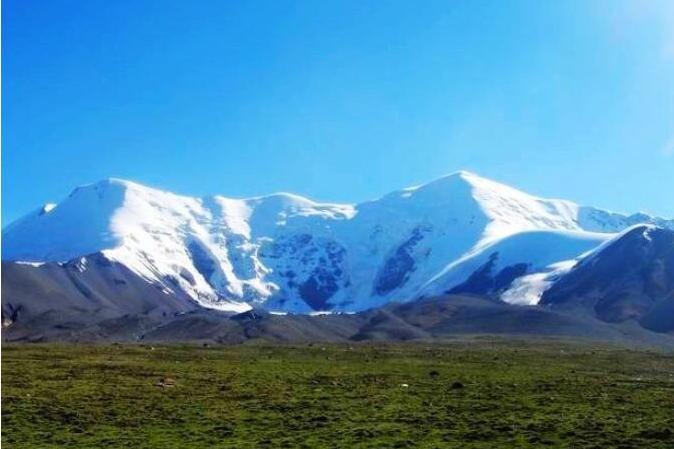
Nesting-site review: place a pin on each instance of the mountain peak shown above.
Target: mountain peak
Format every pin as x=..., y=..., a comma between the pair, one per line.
x=457, y=177
x=470, y=182
x=112, y=184
x=463, y=174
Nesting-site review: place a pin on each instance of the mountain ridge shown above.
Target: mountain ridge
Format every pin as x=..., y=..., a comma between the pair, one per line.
x=284, y=252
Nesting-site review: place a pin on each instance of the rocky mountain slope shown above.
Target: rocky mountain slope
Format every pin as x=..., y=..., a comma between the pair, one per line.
x=628, y=278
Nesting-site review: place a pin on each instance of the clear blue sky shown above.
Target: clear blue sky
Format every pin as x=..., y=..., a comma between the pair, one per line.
x=339, y=100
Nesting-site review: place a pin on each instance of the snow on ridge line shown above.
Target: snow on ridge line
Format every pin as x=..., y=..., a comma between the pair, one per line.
x=590, y=255
x=289, y=197
x=487, y=192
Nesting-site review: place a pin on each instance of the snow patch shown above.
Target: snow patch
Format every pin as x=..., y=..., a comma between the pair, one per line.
x=32, y=264
x=528, y=290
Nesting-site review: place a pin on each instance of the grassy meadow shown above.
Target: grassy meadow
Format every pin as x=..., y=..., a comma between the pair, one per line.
x=469, y=394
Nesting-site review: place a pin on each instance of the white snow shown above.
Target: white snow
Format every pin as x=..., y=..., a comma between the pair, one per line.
x=232, y=254
x=539, y=250
x=32, y=264
x=528, y=290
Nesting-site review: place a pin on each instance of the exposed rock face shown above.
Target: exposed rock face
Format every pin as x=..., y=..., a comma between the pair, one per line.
x=398, y=266
x=56, y=299
x=485, y=282
x=308, y=266
x=630, y=278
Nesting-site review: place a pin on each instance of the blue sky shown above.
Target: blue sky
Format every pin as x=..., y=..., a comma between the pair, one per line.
x=339, y=100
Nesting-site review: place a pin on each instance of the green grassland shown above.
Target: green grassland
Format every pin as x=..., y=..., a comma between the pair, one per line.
x=468, y=394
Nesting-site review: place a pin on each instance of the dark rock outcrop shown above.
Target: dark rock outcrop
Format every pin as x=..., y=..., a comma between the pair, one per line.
x=630, y=279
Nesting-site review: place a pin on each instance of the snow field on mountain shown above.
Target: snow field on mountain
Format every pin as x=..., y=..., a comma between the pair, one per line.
x=286, y=253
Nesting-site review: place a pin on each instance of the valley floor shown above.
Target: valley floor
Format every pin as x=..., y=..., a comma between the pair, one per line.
x=480, y=393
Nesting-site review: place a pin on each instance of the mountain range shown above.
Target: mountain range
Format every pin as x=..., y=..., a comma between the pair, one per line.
x=118, y=259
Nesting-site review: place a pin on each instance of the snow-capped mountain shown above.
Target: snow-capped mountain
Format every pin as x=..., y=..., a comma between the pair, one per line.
x=286, y=253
